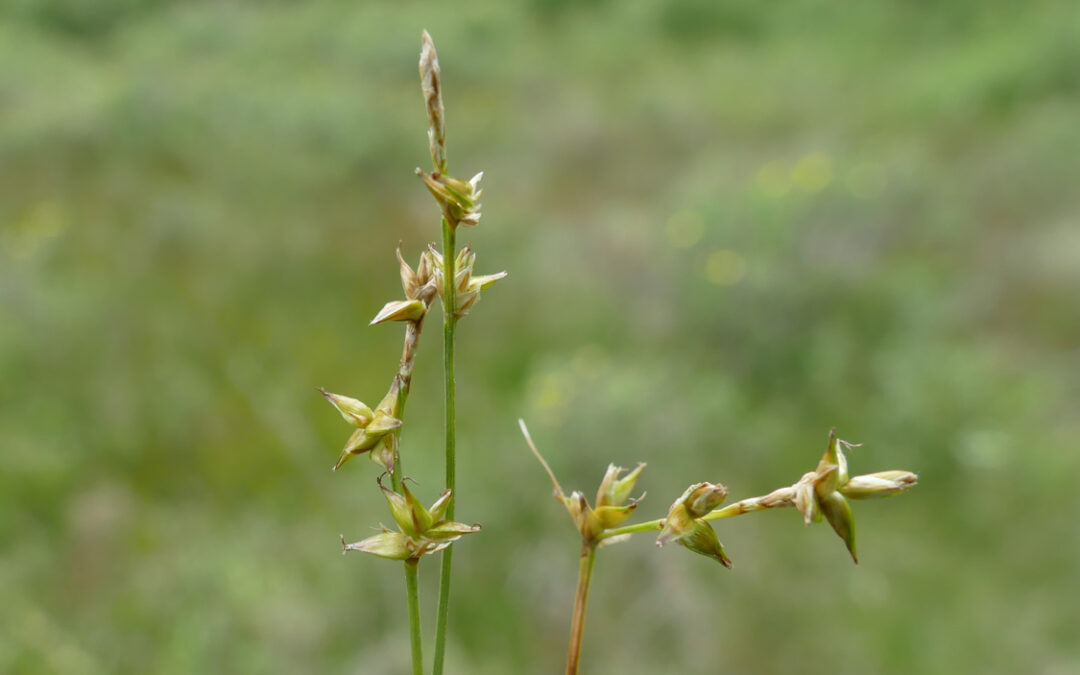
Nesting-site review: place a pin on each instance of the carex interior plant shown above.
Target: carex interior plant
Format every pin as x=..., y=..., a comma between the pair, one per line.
x=447, y=274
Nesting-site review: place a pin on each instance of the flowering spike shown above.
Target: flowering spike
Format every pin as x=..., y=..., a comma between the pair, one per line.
x=826, y=490
x=431, y=86
x=423, y=531
x=685, y=526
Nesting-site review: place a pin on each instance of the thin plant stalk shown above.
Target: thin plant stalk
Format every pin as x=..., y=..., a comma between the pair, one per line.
x=403, y=380
x=411, y=590
x=581, y=601
x=737, y=509
x=449, y=324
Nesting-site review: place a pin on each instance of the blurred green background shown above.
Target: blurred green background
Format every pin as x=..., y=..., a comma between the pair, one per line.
x=729, y=226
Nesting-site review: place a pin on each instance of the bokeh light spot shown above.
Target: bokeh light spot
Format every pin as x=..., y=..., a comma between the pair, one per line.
x=813, y=173
x=725, y=267
x=772, y=180
x=867, y=180
x=684, y=228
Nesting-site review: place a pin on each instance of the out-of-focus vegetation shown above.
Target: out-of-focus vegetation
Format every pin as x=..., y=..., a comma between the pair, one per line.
x=728, y=226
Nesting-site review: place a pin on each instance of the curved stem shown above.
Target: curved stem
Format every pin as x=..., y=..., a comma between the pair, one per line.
x=414, y=615
x=581, y=601
x=449, y=323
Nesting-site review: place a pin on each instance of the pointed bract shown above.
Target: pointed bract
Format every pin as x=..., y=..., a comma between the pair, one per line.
x=354, y=411
x=450, y=530
x=400, y=310
x=826, y=490
x=702, y=539
x=423, y=530
x=614, y=516
x=622, y=488
x=880, y=484
x=838, y=512
x=391, y=545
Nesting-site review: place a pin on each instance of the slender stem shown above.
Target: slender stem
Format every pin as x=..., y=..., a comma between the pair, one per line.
x=403, y=380
x=738, y=508
x=449, y=323
x=411, y=591
x=581, y=601
x=731, y=510
x=631, y=529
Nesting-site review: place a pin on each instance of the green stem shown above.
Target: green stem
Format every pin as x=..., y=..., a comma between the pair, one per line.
x=581, y=601
x=449, y=323
x=630, y=529
x=414, y=615
x=737, y=509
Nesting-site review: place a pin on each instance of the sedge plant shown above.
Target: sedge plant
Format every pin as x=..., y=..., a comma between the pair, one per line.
x=823, y=492
x=447, y=274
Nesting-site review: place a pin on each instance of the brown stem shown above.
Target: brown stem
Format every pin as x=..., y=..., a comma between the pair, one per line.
x=402, y=382
x=581, y=601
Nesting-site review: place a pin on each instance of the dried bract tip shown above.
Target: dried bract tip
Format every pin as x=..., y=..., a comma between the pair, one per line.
x=612, y=507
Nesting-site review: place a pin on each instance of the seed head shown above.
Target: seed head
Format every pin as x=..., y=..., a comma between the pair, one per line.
x=431, y=86
x=422, y=530
x=467, y=288
x=418, y=285
x=684, y=524
x=459, y=199
x=613, y=505
x=825, y=490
